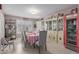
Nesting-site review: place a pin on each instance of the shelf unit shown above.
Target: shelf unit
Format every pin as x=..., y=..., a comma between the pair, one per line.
x=71, y=32
x=10, y=29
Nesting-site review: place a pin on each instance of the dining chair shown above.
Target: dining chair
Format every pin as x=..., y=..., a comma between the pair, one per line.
x=24, y=37
x=4, y=43
x=41, y=40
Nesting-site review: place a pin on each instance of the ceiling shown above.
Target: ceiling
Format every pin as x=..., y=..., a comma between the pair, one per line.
x=23, y=9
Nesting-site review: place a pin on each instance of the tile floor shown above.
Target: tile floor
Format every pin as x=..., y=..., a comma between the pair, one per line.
x=55, y=48
x=52, y=48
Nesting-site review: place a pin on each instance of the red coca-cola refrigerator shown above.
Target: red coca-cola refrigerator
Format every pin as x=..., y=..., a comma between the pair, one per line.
x=71, y=32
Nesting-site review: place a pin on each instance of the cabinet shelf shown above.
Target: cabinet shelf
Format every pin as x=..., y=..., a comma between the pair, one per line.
x=71, y=44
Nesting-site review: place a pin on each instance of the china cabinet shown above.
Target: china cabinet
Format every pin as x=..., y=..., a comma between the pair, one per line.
x=71, y=32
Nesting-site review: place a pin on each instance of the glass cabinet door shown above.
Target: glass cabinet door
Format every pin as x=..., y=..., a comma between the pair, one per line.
x=60, y=24
x=49, y=25
x=54, y=25
x=71, y=31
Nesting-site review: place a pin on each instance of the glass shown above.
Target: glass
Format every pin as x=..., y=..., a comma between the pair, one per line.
x=71, y=30
x=60, y=24
x=54, y=25
x=49, y=25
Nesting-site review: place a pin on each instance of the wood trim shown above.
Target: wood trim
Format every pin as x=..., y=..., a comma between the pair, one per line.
x=65, y=32
x=77, y=32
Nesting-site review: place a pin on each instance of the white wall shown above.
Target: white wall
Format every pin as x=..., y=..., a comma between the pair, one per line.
x=22, y=25
x=38, y=23
x=2, y=30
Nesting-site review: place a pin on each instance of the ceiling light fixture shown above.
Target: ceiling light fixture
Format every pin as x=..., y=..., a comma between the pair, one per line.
x=34, y=11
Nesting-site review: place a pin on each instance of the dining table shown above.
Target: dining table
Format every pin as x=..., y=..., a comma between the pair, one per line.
x=32, y=38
